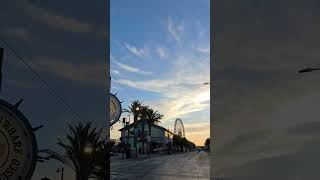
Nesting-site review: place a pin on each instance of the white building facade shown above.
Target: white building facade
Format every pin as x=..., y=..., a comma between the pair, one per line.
x=160, y=136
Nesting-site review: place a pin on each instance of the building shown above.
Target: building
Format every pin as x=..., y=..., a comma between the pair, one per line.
x=159, y=139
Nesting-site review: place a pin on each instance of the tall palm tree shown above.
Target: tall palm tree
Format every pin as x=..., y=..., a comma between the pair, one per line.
x=144, y=115
x=82, y=144
x=135, y=107
x=152, y=117
x=102, y=161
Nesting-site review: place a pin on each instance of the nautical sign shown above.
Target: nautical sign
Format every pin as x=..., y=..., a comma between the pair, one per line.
x=115, y=109
x=18, y=152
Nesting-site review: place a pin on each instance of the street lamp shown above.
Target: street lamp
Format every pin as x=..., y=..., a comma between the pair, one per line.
x=308, y=70
x=136, y=116
x=88, y=149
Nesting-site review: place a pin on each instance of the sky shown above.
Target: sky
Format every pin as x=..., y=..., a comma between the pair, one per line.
x=66, y=44
x=160, y=55
x=266, y=116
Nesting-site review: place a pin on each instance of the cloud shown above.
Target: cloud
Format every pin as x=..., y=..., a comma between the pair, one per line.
x=81, y=73
x=204, y=50
x=130, y=68
x=175, y=30
x=197, y=127
x=197, y=132
x=161, y=52
x=115, y=71
x=141, y=53
x=16, y=32
x=174, y=104
x=58, y=21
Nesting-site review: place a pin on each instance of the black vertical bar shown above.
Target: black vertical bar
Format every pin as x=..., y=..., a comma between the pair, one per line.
x=1, y=61
x=62, y=173
x=107, y=164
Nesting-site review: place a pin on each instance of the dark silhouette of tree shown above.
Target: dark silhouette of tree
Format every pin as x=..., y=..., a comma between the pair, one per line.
x=207, y=144
x=151, y=116
x=102, y=161
x=83, y=142
x=135, y=107
x=143, y=114
x=181, y=143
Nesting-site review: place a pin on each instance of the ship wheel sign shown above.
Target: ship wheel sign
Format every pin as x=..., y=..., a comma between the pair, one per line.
x=18, y=152
x=115, y=109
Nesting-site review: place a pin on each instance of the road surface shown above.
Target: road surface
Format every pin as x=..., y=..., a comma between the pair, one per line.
x=185, y=166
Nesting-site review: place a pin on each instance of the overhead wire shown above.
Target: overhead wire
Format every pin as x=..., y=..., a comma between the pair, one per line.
x=42, y=80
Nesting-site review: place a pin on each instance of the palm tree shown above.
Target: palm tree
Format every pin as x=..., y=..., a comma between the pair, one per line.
x=83, y=142
x=135, y=107
x=144, y=115
x=102, y=161
x=152, y=117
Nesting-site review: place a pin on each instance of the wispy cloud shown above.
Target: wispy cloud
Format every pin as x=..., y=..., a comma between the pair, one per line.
x=197, y=127
x=115, y=71
x=204, y=50
x=16, y=32
x=175, y=30
x=130, y=68
x=81, y=73
x=162, y=52
x=59, y=21
x=187, y=76
x=136, y=51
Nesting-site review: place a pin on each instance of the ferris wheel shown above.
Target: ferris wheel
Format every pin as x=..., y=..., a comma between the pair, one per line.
x=179, y=128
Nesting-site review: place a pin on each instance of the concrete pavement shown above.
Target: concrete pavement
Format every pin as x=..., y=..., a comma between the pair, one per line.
x=185, y=166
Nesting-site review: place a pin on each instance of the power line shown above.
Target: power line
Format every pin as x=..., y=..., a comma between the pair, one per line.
x=53, y=92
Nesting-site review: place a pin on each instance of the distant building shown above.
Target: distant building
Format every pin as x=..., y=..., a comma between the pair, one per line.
x=159, y=139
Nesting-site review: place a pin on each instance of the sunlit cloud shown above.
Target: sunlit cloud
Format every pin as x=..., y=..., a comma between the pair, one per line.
x=131, y=68
x=197, y=132
x=175, y=30
x=161, y=52
x=136, y=51
x=187, y=77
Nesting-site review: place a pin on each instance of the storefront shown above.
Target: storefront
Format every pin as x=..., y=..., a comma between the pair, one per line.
x=159, y=138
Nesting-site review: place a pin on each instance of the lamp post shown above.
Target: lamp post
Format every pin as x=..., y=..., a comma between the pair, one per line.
x=123, y=147
x=135, y=118
x=88, y=149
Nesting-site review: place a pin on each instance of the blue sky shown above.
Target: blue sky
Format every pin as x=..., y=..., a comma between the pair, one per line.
x=160, y=55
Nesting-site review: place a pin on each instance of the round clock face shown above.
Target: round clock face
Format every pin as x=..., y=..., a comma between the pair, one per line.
x=18, y=145
x=4, y=151
x=115, y=109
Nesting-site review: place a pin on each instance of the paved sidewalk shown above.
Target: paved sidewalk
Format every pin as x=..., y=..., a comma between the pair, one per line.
x=181, y=166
